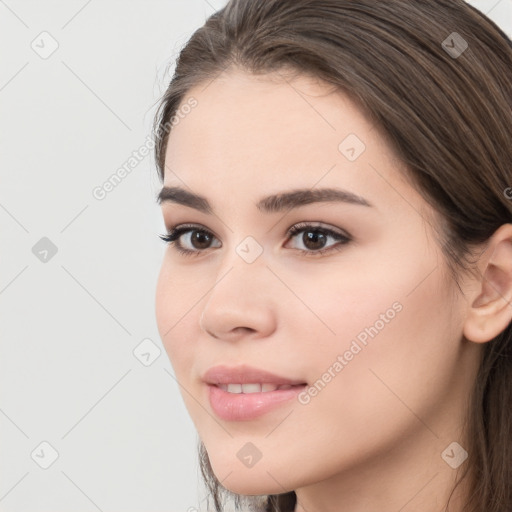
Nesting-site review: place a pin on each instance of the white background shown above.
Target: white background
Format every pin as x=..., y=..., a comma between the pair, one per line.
x=69, y=326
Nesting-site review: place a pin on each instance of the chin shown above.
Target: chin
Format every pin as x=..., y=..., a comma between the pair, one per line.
x=255, y=481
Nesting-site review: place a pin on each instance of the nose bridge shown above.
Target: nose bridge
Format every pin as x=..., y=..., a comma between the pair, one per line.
x=247, y=260
x=241, y=296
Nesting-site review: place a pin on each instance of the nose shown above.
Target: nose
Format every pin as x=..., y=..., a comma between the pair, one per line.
x=241, y=304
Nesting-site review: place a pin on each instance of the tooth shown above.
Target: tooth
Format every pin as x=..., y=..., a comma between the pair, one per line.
x=251, y=388
x=234, y=388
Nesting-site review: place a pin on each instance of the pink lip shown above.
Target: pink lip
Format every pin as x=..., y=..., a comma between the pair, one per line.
x=244, y=374
x=247, y=406
x=244, y=407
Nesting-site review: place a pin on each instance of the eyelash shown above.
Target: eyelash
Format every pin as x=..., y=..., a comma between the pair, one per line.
x=172, y=237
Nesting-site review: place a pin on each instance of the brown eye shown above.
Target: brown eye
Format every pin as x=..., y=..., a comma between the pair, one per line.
x=200, y=239
x=314, y=238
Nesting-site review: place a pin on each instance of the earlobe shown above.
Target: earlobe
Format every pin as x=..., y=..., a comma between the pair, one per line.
x=491, y=310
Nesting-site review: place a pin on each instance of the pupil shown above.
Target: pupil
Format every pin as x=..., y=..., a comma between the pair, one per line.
x=314, y=238
x=198, y=238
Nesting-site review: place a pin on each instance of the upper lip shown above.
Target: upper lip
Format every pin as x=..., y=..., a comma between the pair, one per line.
x=244, y=374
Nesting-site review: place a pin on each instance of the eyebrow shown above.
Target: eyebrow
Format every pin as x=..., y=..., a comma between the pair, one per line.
x=270, y=204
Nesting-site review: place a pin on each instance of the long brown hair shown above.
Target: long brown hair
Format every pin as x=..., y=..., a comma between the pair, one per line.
x=442, y=101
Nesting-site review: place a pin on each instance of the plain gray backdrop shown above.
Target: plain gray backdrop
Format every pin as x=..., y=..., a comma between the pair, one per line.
x=91, y=418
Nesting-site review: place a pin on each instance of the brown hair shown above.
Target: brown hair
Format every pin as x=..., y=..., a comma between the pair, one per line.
x=445, y=109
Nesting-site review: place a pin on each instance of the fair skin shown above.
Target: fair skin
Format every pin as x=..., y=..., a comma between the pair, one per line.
x=372, y=439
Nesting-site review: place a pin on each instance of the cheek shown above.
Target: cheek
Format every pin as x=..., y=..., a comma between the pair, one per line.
x=176, y=314
x=395, y=351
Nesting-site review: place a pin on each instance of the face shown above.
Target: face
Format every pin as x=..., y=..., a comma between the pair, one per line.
x=355, y=304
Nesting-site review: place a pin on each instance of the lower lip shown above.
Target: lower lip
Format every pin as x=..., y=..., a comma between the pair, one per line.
x=248, y=406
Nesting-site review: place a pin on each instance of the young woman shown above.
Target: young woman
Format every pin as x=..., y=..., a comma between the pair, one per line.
x=336, y=296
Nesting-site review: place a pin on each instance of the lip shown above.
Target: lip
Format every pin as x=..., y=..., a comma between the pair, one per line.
x=244, y=374
x=247, y=406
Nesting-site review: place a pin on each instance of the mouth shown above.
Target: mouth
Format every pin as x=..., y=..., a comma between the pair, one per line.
x=247, y=402
x=243, y=393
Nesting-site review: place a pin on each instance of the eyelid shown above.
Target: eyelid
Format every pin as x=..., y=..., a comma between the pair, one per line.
x=299, y=226
x=295, y=227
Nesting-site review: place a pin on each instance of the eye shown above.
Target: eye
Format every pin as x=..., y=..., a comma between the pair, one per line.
x=314, y=239
x=200, y=236
x=314, y=235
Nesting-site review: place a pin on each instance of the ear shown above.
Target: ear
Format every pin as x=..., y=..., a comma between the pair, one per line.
x=491, y=305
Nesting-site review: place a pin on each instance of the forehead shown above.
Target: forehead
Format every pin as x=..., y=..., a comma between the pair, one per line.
x=256, y=133
x=280, y=111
